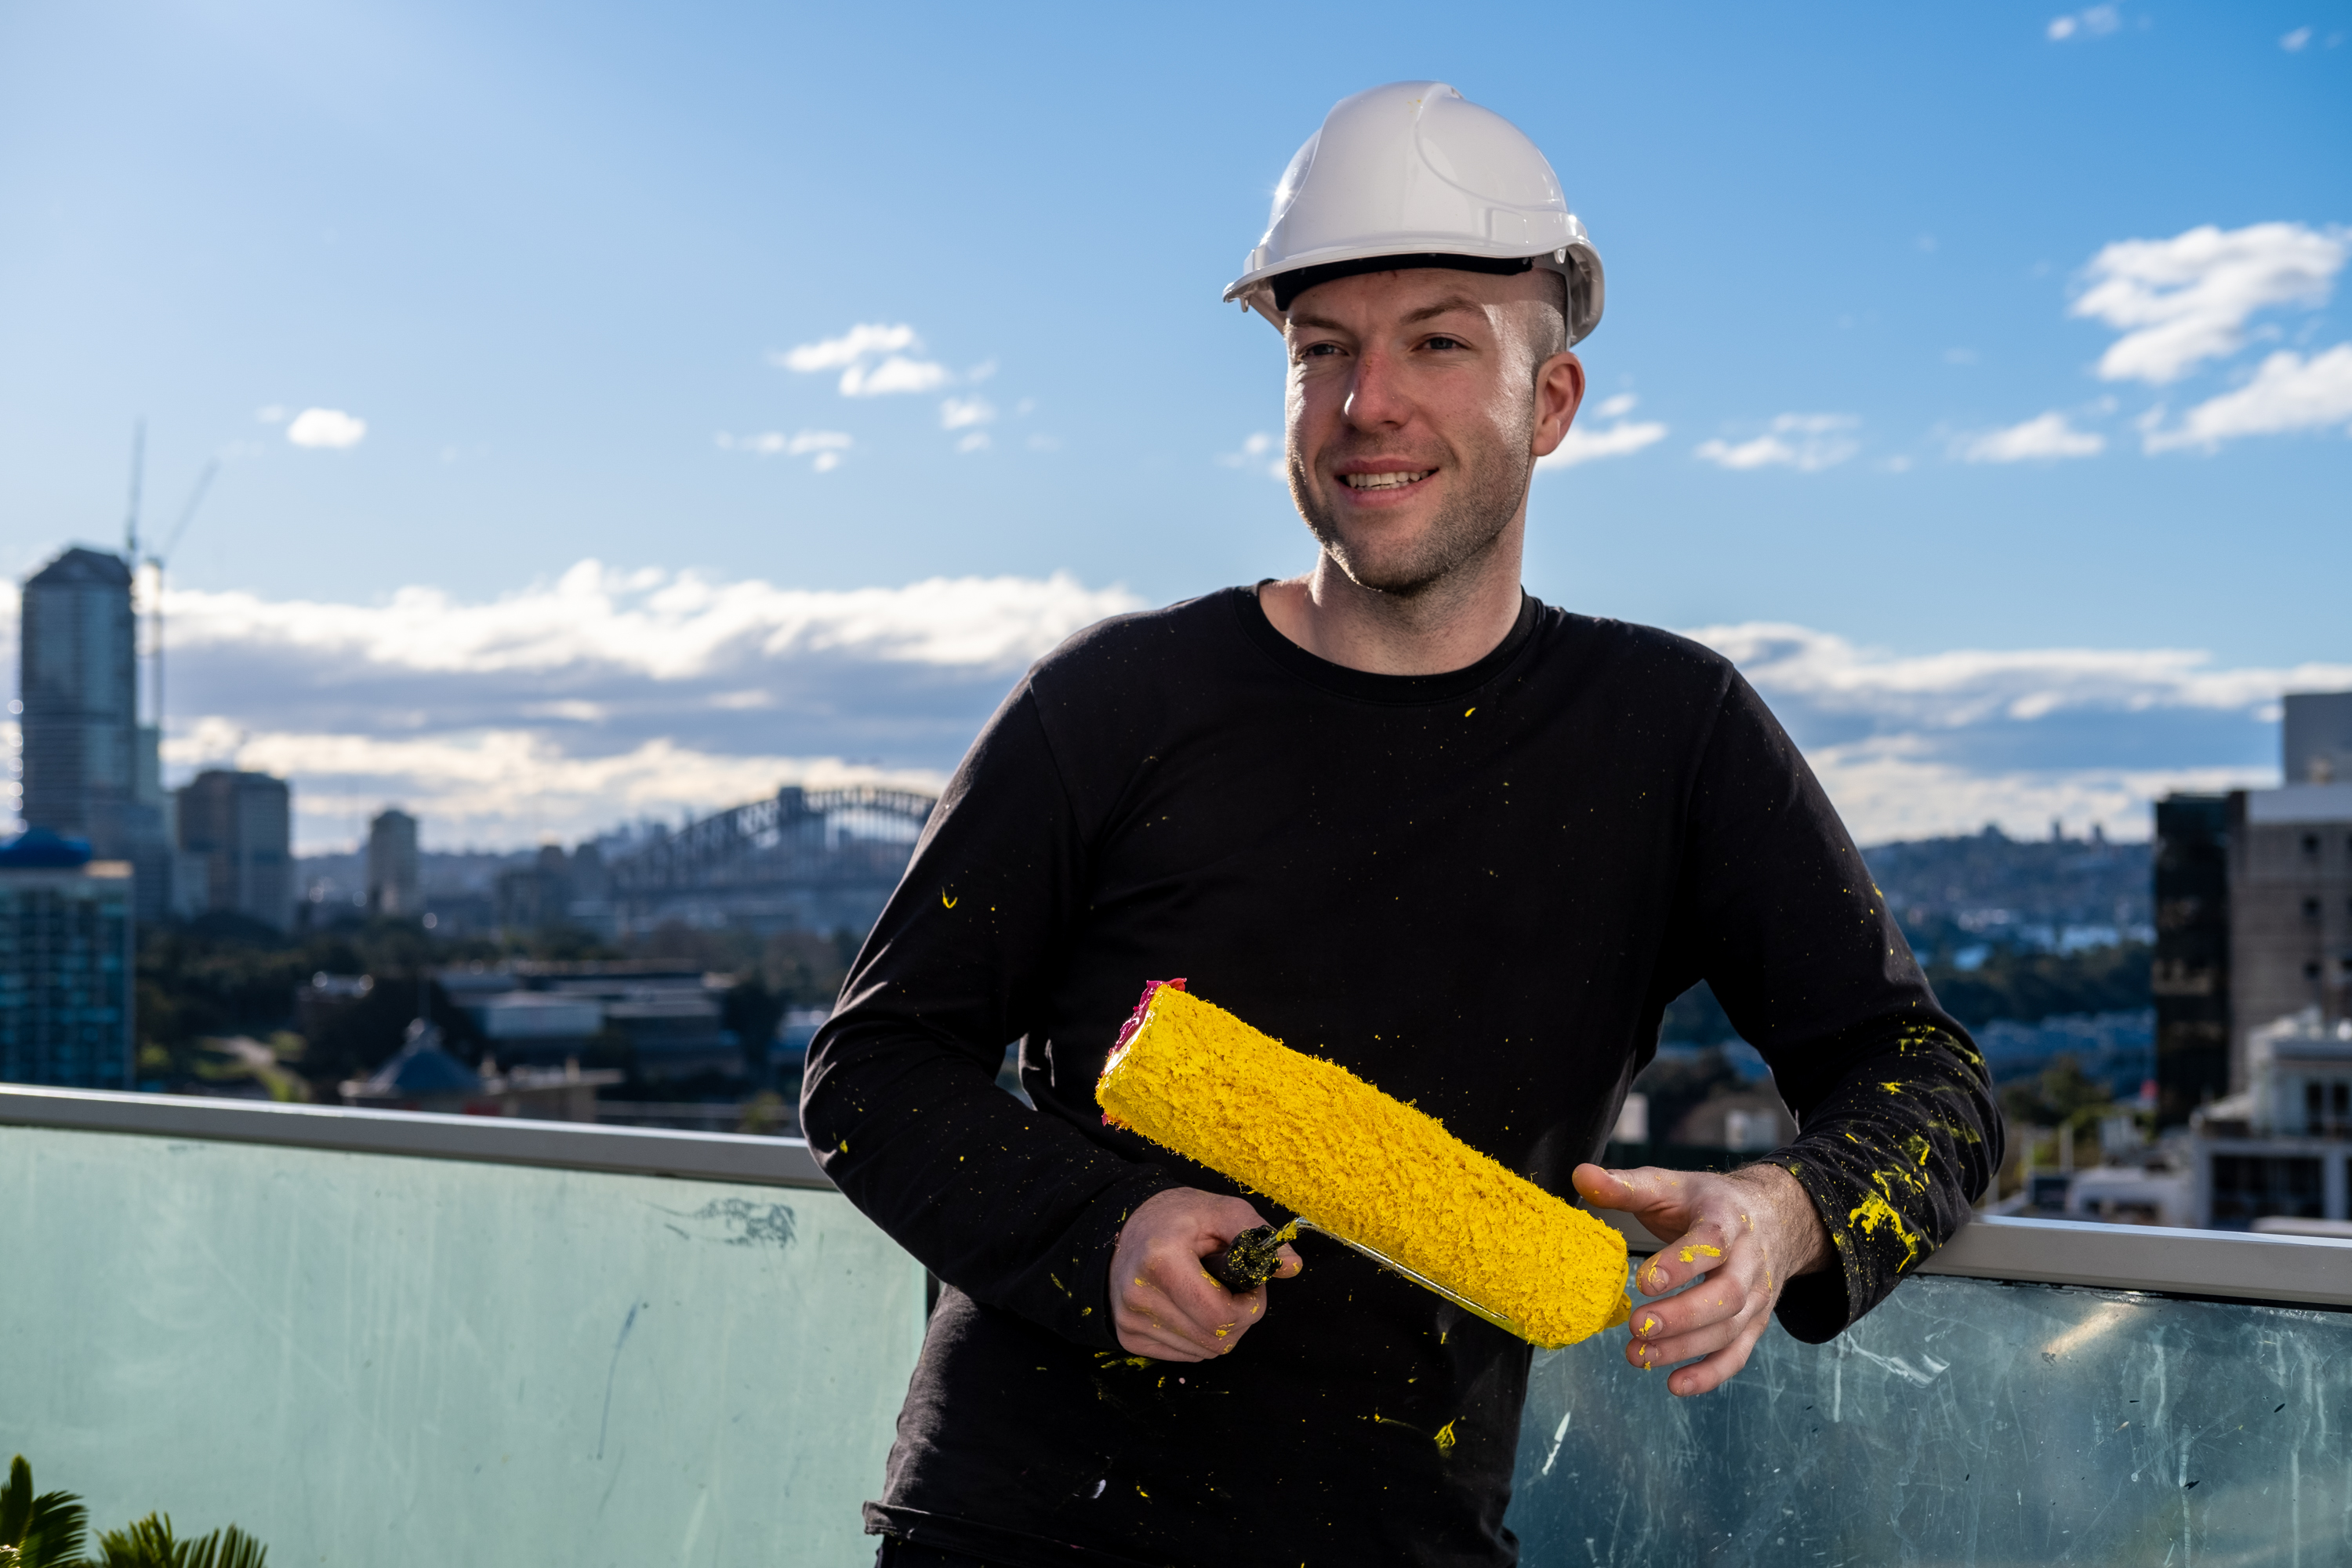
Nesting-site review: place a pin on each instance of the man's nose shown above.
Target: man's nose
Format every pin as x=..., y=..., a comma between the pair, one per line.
x=1376, y=398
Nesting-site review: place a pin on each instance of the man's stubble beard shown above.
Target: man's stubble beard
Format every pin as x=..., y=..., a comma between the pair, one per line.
x=1492, y=484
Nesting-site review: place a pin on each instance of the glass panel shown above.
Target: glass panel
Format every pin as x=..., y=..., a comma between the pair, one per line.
x=1963, y=1421
x=366, y=1359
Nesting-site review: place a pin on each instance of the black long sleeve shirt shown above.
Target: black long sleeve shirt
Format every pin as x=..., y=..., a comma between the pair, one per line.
x=1479, y=891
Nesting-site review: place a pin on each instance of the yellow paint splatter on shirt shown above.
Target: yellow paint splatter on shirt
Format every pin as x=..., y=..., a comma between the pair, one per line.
x=1446, y=1438
x=1874, y=1211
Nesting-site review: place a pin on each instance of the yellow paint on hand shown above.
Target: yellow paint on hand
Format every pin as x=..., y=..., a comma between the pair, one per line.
x=1690, y=1254
x=1649, y=1325
x=1319, y=1141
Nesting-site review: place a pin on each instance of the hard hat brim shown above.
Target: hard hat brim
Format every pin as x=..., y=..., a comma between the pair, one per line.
x=1581, y=267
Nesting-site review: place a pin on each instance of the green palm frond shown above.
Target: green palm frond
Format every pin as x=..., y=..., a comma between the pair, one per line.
x=226, y=1548
x=149, y=1543
x=44, y=1531
x=146, y=1543
x=54, y=1535
x=16, y=1503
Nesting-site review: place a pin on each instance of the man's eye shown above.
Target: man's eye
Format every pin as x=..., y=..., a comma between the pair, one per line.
x=1445, y=342
x=1315, y=350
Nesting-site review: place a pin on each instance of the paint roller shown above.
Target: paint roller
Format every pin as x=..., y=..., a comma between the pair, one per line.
x=1361, y=1167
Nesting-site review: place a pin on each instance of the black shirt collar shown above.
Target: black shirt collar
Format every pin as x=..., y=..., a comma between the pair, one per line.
x=1365, y=685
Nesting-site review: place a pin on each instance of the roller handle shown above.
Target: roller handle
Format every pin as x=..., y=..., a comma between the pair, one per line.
x=1248, y=1260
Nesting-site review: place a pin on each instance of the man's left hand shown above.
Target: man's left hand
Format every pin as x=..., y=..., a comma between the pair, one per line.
x=1748, y=1233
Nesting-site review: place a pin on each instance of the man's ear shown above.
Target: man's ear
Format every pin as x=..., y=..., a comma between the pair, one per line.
x=1560, y=392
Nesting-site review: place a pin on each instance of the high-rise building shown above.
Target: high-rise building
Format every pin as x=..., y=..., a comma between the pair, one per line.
x=2191, y=977
x=2290, y=909
x=65, y=970
x=91, y=768
x=392, y=872
x=239, y=826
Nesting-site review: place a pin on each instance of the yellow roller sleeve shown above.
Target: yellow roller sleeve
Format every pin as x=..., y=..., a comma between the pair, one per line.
x=1315, y=1138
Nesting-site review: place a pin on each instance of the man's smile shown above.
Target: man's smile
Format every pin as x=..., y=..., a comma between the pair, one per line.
x=1395, y=480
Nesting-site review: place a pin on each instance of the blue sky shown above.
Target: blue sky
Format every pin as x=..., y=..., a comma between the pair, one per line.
x=540, y=259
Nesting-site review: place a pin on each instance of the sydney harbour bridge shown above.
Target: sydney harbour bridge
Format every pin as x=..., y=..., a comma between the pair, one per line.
x=808, y=860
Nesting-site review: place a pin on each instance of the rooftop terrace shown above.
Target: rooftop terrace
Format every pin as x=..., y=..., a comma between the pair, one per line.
x=378, y=1338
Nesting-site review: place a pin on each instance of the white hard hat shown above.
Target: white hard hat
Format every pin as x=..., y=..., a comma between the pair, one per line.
x=1414, y=169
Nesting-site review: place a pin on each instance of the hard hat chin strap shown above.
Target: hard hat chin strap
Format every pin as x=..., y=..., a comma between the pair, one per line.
x=1289, y=286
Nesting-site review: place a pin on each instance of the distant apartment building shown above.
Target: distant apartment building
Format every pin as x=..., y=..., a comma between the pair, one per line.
x=237, y=830
x=2290, y=909
x=2191, y=972
x=66, y=969
x=536, y=896
x=89, y=768
x=391, y=865
x=2318, y=739
x=2253, y=893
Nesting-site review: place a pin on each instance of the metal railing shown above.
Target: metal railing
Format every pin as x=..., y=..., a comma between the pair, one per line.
x=2227, y=1265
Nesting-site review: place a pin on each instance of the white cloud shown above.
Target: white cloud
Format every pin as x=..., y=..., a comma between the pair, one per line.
x=960, y=413
x=2181, y=301
x=1920, y=745
x=567, y=706
x=975, y=441
x=326, y=427
x=861, y=342
x=662, y=625
x=1971, y=687
x=855, y=353
x=823, y=448
x=2097, y=22
x=2288, y=392
x=1885, y=790
x=509, y=787
x=1806, y=442
x=895, y=373
x=1582, y=444
x=2294, y=42
x=1253, y=454
x=2042, y=437
x=272, y=414
x=1617, y=407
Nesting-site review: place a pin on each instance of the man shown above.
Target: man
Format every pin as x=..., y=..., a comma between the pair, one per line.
x=1397, y=813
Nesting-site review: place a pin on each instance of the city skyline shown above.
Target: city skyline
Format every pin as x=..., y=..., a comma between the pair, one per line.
x=602, y=698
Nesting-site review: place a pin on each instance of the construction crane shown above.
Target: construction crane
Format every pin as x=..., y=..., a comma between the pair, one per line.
x=159, y=561
x=161, y=558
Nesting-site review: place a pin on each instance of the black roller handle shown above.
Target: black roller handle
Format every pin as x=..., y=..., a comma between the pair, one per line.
x=1248, y=1261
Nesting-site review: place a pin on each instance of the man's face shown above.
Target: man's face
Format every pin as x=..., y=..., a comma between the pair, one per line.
x=1413, y=414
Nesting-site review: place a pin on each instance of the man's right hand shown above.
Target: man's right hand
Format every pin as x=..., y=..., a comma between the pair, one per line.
x=1162, y=1302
